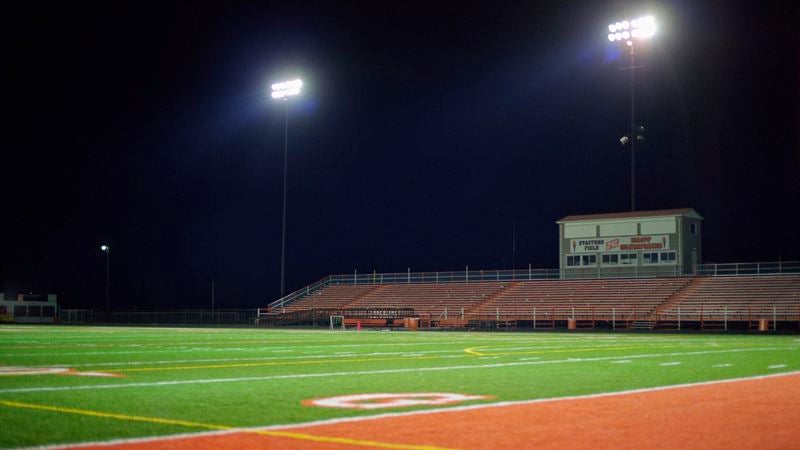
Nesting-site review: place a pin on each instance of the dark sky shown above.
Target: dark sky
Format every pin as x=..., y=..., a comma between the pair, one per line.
x=424, y=132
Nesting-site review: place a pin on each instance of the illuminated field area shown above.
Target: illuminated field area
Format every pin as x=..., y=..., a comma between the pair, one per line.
x=61, y=385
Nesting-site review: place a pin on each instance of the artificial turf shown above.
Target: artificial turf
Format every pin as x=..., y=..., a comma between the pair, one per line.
x=181, y=380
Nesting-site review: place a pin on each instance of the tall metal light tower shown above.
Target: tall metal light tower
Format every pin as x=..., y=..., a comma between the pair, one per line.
x=630, y=32
x=283, y=91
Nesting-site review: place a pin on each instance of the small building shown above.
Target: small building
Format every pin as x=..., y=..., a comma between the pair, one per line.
x=28, y=308
x=664, y=242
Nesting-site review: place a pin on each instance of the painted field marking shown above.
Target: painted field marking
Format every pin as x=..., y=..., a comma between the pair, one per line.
x=531, y=358
x=274, y=429
x=371, y=372
x=8, y=371
x=210, y=426
x=383, y=401
x=621, y=361
x=722, y=365
x=777, y=366
x=673, y=363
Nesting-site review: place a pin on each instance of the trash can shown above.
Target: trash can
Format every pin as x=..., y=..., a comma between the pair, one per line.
x=763, y=324
x=571, y=325
x=412, y=323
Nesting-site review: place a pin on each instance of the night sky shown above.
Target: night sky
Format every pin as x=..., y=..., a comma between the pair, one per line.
x=423, y=135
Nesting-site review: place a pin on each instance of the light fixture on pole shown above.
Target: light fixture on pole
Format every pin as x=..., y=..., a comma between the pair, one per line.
x=283, y=91
x=107, y=250
x=630, y=32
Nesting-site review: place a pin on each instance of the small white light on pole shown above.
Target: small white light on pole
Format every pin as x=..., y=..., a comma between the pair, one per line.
x=286, y=89
x=107, y=250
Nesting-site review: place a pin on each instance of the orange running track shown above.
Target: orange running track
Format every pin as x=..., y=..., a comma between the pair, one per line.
x=759, y=413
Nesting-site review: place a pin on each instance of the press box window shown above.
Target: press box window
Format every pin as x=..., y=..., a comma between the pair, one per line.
x=610, y=260
x=693, y=228
x=658, y=258
x=581, y=260
x=628, y=258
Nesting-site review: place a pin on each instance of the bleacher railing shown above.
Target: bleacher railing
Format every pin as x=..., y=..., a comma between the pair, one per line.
x=756, y=268
x=530, y=274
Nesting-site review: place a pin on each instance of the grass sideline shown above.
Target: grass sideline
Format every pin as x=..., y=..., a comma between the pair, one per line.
x=184, y=380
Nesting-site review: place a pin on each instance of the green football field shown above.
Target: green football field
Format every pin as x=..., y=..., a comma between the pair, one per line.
x=86, y=384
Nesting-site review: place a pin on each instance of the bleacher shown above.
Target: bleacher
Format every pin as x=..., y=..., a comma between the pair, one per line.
x=432, y=300
x=741, y=298
x=330, y=297
x=648, y=302
x=586, y=299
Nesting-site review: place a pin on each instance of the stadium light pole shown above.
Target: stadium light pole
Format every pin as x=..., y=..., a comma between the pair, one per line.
x=107, y=250
x=630, y=32
x=283, y=91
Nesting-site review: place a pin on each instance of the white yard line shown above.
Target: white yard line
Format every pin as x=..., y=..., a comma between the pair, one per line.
x=370, y=372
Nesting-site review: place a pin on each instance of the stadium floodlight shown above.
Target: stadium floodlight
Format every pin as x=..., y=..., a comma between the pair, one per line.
x=283, y=91
x=630, y=31
x=107, y=250
x=286, y=89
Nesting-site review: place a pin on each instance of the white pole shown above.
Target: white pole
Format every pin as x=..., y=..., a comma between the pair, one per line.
x=613, y=318
x=774, y=318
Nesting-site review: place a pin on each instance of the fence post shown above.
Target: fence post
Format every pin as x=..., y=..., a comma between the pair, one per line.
x=529, y=271
x=497, y=311
x=534, y=317
x=466, y=274
x=437, y=277
x=725, y=316
x=355, y=276
x=462, y=313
